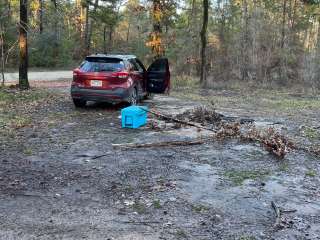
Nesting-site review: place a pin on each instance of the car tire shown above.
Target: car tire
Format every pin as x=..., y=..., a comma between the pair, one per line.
x=134, y=98
x=79, y=103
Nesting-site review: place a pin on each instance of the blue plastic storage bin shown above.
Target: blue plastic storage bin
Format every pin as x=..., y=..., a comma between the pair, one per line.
x=134, y=116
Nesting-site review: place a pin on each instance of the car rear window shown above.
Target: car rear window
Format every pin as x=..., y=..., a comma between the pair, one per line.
x=102, y=65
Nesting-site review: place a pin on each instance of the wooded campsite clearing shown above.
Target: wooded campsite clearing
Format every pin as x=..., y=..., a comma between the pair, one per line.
x=61, y=178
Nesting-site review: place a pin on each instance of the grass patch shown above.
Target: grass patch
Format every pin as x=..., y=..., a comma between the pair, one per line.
x=139, y=207
x=295, y=104
x=128, y=189
x=247, y=238
x=9, y=120
x=238, y=177
x=181, y=234
x=184, y=81
x=9, y=96
x=311, y=173
x=217, y=100
x=28, y=151
x=284, y=167
x=18, y=108
x=156, y=204
x=267, y=99
x=311, y=133
x=199, y=208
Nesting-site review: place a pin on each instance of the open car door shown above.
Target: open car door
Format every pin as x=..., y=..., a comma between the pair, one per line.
x=158, y=76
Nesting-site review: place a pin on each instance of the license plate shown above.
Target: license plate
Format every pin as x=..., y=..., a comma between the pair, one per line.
x=96, y=83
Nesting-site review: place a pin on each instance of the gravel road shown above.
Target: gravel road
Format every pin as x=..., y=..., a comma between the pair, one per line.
x=40, y=76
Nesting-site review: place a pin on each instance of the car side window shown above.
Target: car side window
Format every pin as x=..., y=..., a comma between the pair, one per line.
x=134, y=65
x=137, y=66
x=140, y=65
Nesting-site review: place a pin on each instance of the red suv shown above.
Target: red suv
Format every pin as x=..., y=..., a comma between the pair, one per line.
x=118, y=78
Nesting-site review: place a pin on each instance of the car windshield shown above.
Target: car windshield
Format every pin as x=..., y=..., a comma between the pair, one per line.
x=102, y=65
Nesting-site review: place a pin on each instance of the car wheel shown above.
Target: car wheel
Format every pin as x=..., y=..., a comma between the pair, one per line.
x=79, y=103
x=134, y=97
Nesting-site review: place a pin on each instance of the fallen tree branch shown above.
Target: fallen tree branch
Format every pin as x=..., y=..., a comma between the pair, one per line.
x=192, y=124
x=158, y=144
x=278, y=214
x=288, y=211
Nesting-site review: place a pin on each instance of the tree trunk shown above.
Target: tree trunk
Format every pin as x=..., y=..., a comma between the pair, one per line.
x=191, y=15
x=282, y=70
x=9, y=8
x=2, y=53
x=86, y=29
x=203, y=36
x=40, y=16
x=245, y=45
x=283, y=33
x=89, y=22
x=110, y=38
x=128, y=31
x=294, y=16
x=157, y=29
x=156, y=20
x=23, y=45
x=104, y=39
x=80, y=18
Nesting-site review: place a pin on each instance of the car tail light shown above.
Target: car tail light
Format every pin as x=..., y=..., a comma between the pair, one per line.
x=75, y=75
x=121, y=75
x=77, y=80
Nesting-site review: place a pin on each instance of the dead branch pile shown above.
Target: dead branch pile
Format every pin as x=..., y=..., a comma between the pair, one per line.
x=272, y=140
x=208, y=119
x=179, y=123
x=229, y=130
x=200, y=115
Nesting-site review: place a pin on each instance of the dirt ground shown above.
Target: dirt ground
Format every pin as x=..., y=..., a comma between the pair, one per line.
x=61, y=178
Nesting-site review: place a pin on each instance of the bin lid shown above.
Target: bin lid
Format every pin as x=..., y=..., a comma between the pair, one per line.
x=134, y=110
